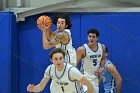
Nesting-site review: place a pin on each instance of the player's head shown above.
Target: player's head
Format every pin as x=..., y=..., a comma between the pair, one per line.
x=93, y=35
x=62, y=20
x=57, y=56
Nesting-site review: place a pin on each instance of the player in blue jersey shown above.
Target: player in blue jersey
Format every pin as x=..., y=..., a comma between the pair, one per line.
x=111, y=78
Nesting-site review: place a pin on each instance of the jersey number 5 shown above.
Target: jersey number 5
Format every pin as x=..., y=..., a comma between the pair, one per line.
x=94, y=62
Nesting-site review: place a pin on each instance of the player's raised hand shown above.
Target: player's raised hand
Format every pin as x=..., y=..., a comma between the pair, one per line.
x=43, y=27
x=30, y=87
x=44, y=23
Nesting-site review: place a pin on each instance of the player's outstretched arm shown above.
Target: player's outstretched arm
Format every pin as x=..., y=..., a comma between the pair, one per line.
x=39, y=87
x=113, y=71
x=87, y=83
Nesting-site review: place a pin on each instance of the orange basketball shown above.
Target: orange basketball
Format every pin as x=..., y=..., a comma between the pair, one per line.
x=45, y=20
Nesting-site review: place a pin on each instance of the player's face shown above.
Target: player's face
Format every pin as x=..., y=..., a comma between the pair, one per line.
x=92, y=38
x=58, y=60
x=61, y=24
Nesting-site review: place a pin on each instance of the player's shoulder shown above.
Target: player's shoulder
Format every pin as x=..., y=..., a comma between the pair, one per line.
x=51, y=66
x=48, y=69
x=73, y=69
x=81, y=51
x=110, y=67
x=81, y=48
x=103, y=45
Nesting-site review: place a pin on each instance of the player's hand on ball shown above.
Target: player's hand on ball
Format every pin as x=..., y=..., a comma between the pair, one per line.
x=30, y=87
x=43, y=27
x=44, y=23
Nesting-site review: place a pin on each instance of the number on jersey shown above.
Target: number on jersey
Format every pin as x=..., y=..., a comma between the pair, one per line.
x=94, y=62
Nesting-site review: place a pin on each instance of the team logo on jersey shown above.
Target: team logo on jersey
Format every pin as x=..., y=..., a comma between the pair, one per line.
x=62, y=83
x=95, y=56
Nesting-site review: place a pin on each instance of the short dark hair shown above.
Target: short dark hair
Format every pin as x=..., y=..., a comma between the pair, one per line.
x=94, y=31
x=106, y=50
x=63, y=16
x=57, y=50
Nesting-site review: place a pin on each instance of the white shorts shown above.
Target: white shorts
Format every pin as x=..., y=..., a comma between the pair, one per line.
x=95, y=86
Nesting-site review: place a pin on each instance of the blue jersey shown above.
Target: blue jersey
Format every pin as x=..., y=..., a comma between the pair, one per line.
x=108, y=80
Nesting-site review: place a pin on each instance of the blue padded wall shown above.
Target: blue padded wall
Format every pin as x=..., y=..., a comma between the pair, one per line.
x=8, y=53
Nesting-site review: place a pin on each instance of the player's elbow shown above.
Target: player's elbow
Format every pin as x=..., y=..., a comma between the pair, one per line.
x=46, y=46
x=119, y=81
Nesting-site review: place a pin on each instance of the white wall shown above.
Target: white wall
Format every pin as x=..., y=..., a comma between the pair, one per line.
x=11, y=3
x=40, y=3
x=1, y=7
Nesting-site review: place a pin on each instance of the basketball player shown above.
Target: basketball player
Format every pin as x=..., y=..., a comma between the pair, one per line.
x=61, y=38
x=92, y=56
x=63, y=75
x=111, y=78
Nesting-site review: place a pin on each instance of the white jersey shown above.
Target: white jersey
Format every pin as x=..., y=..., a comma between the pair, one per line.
x=69, y=49
x=61, y=80
x=91, y=61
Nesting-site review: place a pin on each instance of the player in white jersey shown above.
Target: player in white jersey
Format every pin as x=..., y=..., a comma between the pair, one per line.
x=92, y=56
x=111, y=78
x=61, y=38
x=65, y=77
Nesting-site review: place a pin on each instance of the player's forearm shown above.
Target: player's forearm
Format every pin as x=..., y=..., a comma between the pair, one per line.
x=90, y=88
x=37, y=88
x=49, y=34
x=119, y=84
x=45, y=40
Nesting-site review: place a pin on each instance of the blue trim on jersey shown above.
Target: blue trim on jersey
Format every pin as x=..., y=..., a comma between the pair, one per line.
x=76, y=87
x=65, y=47
x=62, y=73
x=68, y=56
x=82, y=67
x=61, y=45
x=69, y=75
x=50, y=70
x=85, y=51
x=96, y=49
x=82, y=64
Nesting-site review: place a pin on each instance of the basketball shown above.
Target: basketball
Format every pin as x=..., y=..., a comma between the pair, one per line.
x=44, y=20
